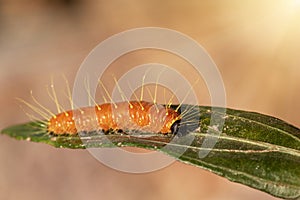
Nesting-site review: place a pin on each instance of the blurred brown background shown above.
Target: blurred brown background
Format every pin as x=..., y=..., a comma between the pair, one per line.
x=255, y=44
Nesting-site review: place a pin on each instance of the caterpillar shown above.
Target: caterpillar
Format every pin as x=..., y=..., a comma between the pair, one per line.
x=141, y=115
x=121, y=116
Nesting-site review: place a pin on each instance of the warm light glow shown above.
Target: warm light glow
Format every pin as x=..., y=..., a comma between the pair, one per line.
x=293, y=4
x=296, y=2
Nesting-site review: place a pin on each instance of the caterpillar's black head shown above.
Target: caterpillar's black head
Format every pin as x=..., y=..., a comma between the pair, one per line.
x=178, y=129
x=175, y=127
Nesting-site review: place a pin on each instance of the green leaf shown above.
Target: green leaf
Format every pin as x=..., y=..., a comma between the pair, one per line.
x=260, y=151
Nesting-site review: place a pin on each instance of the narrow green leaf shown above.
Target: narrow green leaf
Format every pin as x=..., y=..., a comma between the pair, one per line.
x=260, y=151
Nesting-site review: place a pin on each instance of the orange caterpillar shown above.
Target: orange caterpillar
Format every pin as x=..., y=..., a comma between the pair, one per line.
x=140, y=115
x=121, y=116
